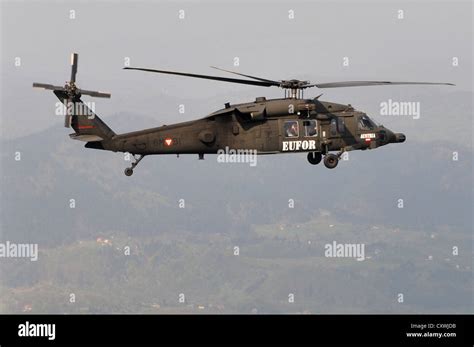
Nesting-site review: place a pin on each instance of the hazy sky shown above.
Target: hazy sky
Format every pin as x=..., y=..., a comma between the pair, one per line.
x=263, y=37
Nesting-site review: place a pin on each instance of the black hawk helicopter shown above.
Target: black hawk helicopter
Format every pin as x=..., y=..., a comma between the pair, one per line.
x=289, y=124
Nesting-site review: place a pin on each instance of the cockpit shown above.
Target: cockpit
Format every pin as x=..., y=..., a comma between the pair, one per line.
x=365, y=123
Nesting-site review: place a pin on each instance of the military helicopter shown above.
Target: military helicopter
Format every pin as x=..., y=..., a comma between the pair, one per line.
x=268, y=126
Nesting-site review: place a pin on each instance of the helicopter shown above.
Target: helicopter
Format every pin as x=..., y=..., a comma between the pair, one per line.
x=291, y=124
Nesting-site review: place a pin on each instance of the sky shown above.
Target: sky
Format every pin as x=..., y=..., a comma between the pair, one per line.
x=311, y=45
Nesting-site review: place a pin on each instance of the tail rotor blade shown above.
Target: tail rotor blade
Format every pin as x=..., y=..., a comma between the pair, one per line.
x=47, y=86
x=74, y=61
x=94, y=93
x=67, y=120
x=68, y=115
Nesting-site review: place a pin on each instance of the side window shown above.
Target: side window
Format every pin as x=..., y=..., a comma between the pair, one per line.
x=333, y=127
x=291, y=128
x=310, y=128
x=341, y=126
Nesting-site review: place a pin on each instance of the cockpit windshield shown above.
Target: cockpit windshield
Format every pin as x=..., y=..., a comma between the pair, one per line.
x=366, y=123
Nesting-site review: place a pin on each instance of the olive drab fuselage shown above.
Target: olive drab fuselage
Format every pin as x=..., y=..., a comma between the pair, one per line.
x=268, y=126
x=289, y=125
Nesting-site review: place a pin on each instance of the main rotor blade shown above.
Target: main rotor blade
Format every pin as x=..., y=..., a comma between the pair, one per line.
x=47, y=86
x=276, y=83
x=369, y=83
x=216, y=78
x=94, y=93
x=74, y=61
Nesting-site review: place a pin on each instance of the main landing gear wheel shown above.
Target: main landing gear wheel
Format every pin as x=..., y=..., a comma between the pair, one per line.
x=330, y=161
x=129, y=170
x=314, y=157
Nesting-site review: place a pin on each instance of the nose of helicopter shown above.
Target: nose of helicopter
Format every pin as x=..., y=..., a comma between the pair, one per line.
x=399, y=137
x=391, y=137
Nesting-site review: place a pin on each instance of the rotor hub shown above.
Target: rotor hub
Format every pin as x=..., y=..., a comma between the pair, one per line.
x=294, y=84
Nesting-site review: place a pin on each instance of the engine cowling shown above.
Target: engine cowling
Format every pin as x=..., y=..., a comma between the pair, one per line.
x=253, y=112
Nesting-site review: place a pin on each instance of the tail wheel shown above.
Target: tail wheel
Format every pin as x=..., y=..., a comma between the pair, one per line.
x=331, y=161
x=314, y=157
x=128, y=171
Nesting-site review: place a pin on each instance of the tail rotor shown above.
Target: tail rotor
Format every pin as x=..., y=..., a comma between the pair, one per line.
x=70, y=91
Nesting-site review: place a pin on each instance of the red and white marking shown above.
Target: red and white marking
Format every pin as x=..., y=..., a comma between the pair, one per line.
x=368, y=136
